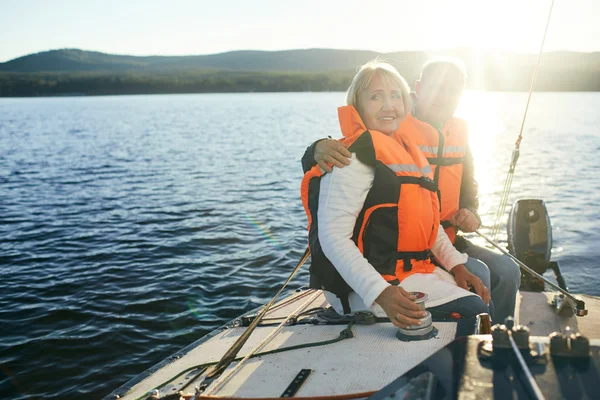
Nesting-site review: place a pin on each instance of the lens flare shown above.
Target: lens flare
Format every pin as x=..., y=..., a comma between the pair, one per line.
x=265, y=232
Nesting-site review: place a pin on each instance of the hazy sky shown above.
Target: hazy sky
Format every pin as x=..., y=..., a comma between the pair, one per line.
x=181, y=27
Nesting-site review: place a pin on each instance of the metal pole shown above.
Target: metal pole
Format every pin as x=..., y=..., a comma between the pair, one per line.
x=537, y=392
x=529, y=270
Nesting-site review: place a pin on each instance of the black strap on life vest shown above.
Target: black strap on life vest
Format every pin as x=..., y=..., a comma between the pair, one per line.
x=408, y=256
x=445, y=161
x=345, y=303
x=441, y=161
x=436, y=174
x=446, y=224
x=425, y=183
x=422, y=181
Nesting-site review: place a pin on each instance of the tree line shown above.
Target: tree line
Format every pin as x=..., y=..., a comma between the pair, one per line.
x=13, y=84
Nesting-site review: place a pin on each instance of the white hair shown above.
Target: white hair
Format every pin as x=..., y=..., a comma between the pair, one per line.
x=386, y=72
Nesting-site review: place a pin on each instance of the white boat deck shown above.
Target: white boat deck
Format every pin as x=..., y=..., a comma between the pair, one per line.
x=366, y=362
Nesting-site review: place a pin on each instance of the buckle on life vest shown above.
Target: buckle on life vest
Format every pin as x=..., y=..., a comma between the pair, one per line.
x=428, y=184
x=422, y=181
x=408, y=256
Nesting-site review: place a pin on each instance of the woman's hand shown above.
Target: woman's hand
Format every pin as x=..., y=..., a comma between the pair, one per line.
x=464, y=279
x=399, y=306
x=329, y=152
x=465, y=220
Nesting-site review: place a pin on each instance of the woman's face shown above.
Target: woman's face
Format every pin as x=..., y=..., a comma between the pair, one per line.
x=381, y=106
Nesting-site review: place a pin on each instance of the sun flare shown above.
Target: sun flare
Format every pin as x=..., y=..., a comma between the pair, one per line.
x=479, y=110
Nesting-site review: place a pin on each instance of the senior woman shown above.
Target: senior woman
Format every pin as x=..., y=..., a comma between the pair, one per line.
x=374, y=225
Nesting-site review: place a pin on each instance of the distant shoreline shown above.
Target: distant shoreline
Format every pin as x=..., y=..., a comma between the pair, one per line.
x=73, y=71
x=109, y=84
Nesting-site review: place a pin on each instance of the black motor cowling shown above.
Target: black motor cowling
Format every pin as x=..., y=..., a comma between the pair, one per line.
x=530, y=238
x=530, y=233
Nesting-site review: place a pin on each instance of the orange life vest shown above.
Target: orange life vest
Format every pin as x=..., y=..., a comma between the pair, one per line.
x=398, y=223
x=445, y=151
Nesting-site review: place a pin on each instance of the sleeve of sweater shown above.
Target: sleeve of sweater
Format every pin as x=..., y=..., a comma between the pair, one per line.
x=341, y=197
x=445, y=252
x=308, y=159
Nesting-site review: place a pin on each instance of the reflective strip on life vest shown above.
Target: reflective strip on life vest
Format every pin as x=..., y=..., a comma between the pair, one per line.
x=409, y=168
x=429, y=149
x=403, y=167
x=426, y=170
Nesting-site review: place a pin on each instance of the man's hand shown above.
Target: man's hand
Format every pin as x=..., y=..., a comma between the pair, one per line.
x=400, y=307
x=464, y=279
x=465, y=220
x=330, y=153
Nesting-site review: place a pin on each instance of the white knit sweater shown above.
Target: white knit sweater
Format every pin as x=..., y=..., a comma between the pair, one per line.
x=341, y=198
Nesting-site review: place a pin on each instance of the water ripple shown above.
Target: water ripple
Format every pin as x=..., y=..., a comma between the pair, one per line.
x=131, y=233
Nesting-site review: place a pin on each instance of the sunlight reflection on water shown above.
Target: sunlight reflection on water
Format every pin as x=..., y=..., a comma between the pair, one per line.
x=155, y=219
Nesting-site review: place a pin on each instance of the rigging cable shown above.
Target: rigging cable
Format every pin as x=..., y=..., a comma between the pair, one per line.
x=346, y=333
x=575, y=302
x=229, y=356
x=515, y=155
x=231, y=372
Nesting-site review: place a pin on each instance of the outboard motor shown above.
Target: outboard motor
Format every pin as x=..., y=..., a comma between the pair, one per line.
x=530, y=240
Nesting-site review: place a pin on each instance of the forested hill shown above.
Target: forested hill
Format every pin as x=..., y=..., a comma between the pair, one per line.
x=73, y=71
x=313, y=60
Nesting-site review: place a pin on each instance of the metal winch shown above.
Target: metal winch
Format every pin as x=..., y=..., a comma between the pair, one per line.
x=419, y=332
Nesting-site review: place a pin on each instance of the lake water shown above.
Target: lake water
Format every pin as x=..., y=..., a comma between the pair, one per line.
x=131, y=226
